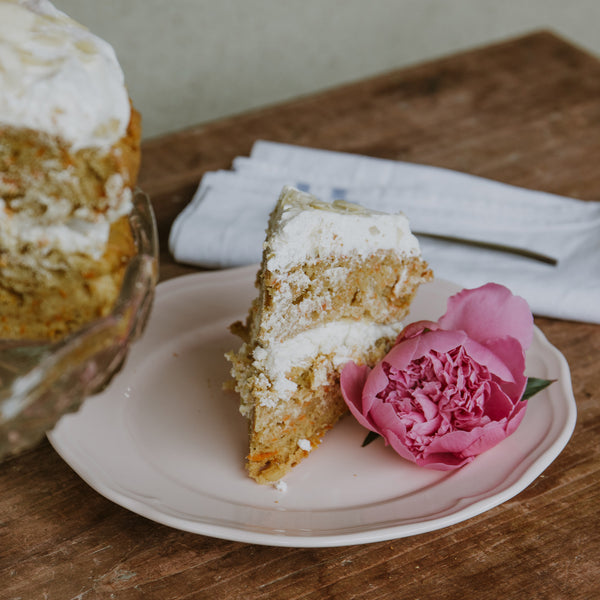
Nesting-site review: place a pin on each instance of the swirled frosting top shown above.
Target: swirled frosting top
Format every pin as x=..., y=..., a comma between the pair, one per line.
x=57, y=77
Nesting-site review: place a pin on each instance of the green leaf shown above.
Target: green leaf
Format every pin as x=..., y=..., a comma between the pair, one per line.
x=535, y=385
x=371, y=437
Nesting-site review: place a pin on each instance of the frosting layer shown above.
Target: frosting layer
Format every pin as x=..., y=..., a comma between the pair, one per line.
x=304, y=228
x=57, y=77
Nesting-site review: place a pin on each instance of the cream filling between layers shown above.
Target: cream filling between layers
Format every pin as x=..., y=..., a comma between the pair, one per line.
x=84, y=232
x=340, y=341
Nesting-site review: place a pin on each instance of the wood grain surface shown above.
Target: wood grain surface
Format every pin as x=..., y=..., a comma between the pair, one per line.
x=526, y=112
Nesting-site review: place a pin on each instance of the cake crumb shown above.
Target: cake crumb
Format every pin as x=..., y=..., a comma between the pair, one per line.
x=280, y=486
x=304, y=444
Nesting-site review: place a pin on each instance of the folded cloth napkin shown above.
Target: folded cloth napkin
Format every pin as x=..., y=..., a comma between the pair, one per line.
x=225, y=223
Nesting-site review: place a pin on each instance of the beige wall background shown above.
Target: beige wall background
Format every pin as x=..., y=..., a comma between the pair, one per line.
x=192, y=61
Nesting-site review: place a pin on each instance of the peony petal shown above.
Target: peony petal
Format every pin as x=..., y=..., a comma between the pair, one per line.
x=443, y=462
x=469, y=443
x=376, y=382
x=490, y=435
x=484, y=355
x=399, y=357
x=510, y=352
x=490, y=311
x=427, y=428
x=352, y=381
x=384, y=418
x=441, y=341
x=415, y=329
x=429, y=407
x=397, y=443
x=517, y=416
x=499, y=405
x=454, y=442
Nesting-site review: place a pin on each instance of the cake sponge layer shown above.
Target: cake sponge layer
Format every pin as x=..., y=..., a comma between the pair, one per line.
x=42, y=182
x=48, y=304
x=378, y=288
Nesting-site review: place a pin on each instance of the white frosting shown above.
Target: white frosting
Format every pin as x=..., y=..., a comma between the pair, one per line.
x=304, y=444
x=55, y=76
x=307, y=228
x=82, y=233
x=340, y=341
x=280, y=486
x=71, y=236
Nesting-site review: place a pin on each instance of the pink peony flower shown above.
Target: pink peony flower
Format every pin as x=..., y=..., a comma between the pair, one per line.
x=448, y=390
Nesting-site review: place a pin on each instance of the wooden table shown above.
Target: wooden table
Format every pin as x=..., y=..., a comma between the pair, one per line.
x=525, y=112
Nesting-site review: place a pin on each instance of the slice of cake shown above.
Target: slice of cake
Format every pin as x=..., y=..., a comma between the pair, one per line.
x=335, y=282
x=69, y=157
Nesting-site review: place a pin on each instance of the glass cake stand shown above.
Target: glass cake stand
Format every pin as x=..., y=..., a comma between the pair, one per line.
x=41, y=382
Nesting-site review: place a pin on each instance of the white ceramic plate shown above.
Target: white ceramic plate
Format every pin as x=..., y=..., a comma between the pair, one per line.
x=167, y=443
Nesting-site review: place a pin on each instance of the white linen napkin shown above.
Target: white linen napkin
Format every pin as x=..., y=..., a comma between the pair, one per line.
x=225, y=223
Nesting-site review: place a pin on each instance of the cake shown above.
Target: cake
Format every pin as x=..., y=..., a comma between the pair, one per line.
x=334, y=284
x=69, y=158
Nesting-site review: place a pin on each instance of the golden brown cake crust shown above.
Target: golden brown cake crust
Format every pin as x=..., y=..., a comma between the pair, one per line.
x=130, y=155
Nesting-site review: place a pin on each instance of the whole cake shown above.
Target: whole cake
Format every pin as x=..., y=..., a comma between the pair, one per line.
x=69, y=158
x=335, y=282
